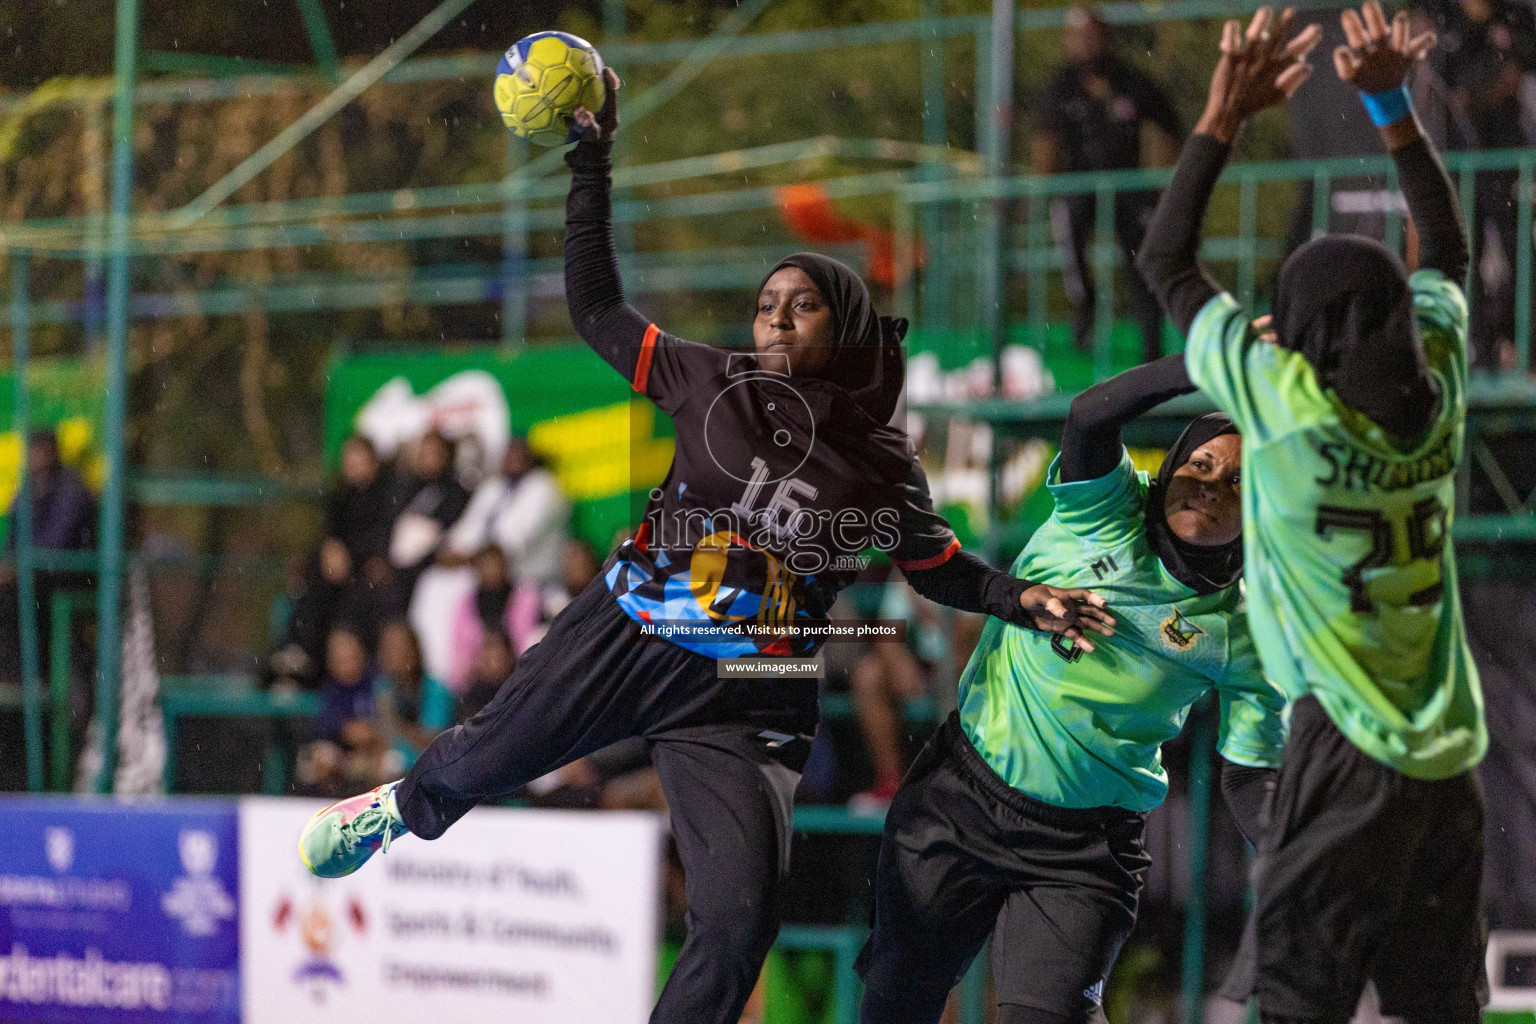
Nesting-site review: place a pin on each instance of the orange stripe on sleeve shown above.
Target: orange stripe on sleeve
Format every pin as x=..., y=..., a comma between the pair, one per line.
x=643, y=364
x=930, y=563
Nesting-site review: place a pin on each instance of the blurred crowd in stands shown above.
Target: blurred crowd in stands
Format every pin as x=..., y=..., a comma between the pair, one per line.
x=426, y=585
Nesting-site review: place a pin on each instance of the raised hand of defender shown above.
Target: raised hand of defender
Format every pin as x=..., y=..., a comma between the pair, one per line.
x=1258, y=69
x=1379, y=56
x=1068, y=612
x=604, y=123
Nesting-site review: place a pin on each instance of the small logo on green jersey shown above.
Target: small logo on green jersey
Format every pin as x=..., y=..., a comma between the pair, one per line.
x=1066, y=649
x=1180, y=634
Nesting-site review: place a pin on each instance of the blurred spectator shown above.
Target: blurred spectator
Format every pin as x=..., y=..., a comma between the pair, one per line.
x=1487, y=56
x=358, y=517
x=489, y=608
x=523, y=512
x=494, y=662
x=63, y=510
x=579, y=566
x=433, y=499
x=63, y=519
x=412, y=707
x=348, y=747
x=1101, y=113
x=349, y=576
x=534, y=606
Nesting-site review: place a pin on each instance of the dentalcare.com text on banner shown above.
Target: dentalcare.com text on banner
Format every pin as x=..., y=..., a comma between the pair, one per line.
x=118, y=914
x=542, y=917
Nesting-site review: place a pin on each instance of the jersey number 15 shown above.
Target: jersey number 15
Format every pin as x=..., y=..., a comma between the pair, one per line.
x=1424, y=528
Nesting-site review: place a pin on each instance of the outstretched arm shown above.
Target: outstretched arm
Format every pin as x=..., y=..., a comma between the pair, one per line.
x=1377, y=61
x=966, y=583
x=1090, y=441
x=656, y=364
x=1168, y=259
x=593, y=290
x=929, y=556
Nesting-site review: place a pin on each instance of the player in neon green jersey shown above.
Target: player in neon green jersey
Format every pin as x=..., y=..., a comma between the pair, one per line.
x=1022, y=819
x=1352, y=419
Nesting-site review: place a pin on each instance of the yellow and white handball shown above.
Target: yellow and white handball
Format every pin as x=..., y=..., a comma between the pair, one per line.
x=541, y=81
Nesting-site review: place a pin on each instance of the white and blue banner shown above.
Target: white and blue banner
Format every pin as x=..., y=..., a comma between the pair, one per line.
x=119, y=913
x=537, y=917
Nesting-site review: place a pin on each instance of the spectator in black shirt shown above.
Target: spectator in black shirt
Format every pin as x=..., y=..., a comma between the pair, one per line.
x=358, y=515
x=63, y=519
x=433, y=500
x=1487, y=55
x=1489, y=47
x=349, y=575
x=1102, y=113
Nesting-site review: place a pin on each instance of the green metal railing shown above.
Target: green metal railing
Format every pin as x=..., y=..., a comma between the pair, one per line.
x=915, y=200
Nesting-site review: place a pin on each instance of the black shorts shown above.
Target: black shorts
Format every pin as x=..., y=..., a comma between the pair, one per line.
x=966, y=856
x=1364, y=874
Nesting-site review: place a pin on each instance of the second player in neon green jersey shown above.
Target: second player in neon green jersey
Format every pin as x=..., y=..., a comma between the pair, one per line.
x=1078, y=730
x=1353, y=424
x=1352, y=410
x=1022, y=819
x=1351, y=578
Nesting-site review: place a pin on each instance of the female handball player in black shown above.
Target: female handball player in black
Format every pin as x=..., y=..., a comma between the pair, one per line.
x=785, y=469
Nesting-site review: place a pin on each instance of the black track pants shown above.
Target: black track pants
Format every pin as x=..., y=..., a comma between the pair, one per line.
x=729, y=754
x=966, y=856
x=1072, y=224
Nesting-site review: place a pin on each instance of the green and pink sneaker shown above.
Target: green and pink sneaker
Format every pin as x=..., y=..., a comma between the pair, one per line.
x=339, y=839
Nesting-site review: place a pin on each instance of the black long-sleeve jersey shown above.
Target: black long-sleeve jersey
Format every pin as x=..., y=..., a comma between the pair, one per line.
x=778, y=485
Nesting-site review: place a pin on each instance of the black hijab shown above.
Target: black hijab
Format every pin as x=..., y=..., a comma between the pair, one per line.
x=866, y=361
x=1204, y=568
x=1344, y=303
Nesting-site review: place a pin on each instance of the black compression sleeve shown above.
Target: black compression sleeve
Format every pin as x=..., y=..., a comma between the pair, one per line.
x=1169, y=254
x=1090, y=441
x=1432, y=205
x=1247, y=792
x=593, y=290
x=965, y=582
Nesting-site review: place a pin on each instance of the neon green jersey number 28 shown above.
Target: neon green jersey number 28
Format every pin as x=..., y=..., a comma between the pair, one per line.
x=1424, y=530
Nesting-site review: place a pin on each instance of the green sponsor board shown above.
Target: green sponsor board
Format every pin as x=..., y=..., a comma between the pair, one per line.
x=608, y=446
x=66, y=396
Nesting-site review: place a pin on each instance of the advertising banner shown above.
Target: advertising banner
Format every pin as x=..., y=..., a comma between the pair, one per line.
x=118, y=913
x=539, y=917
